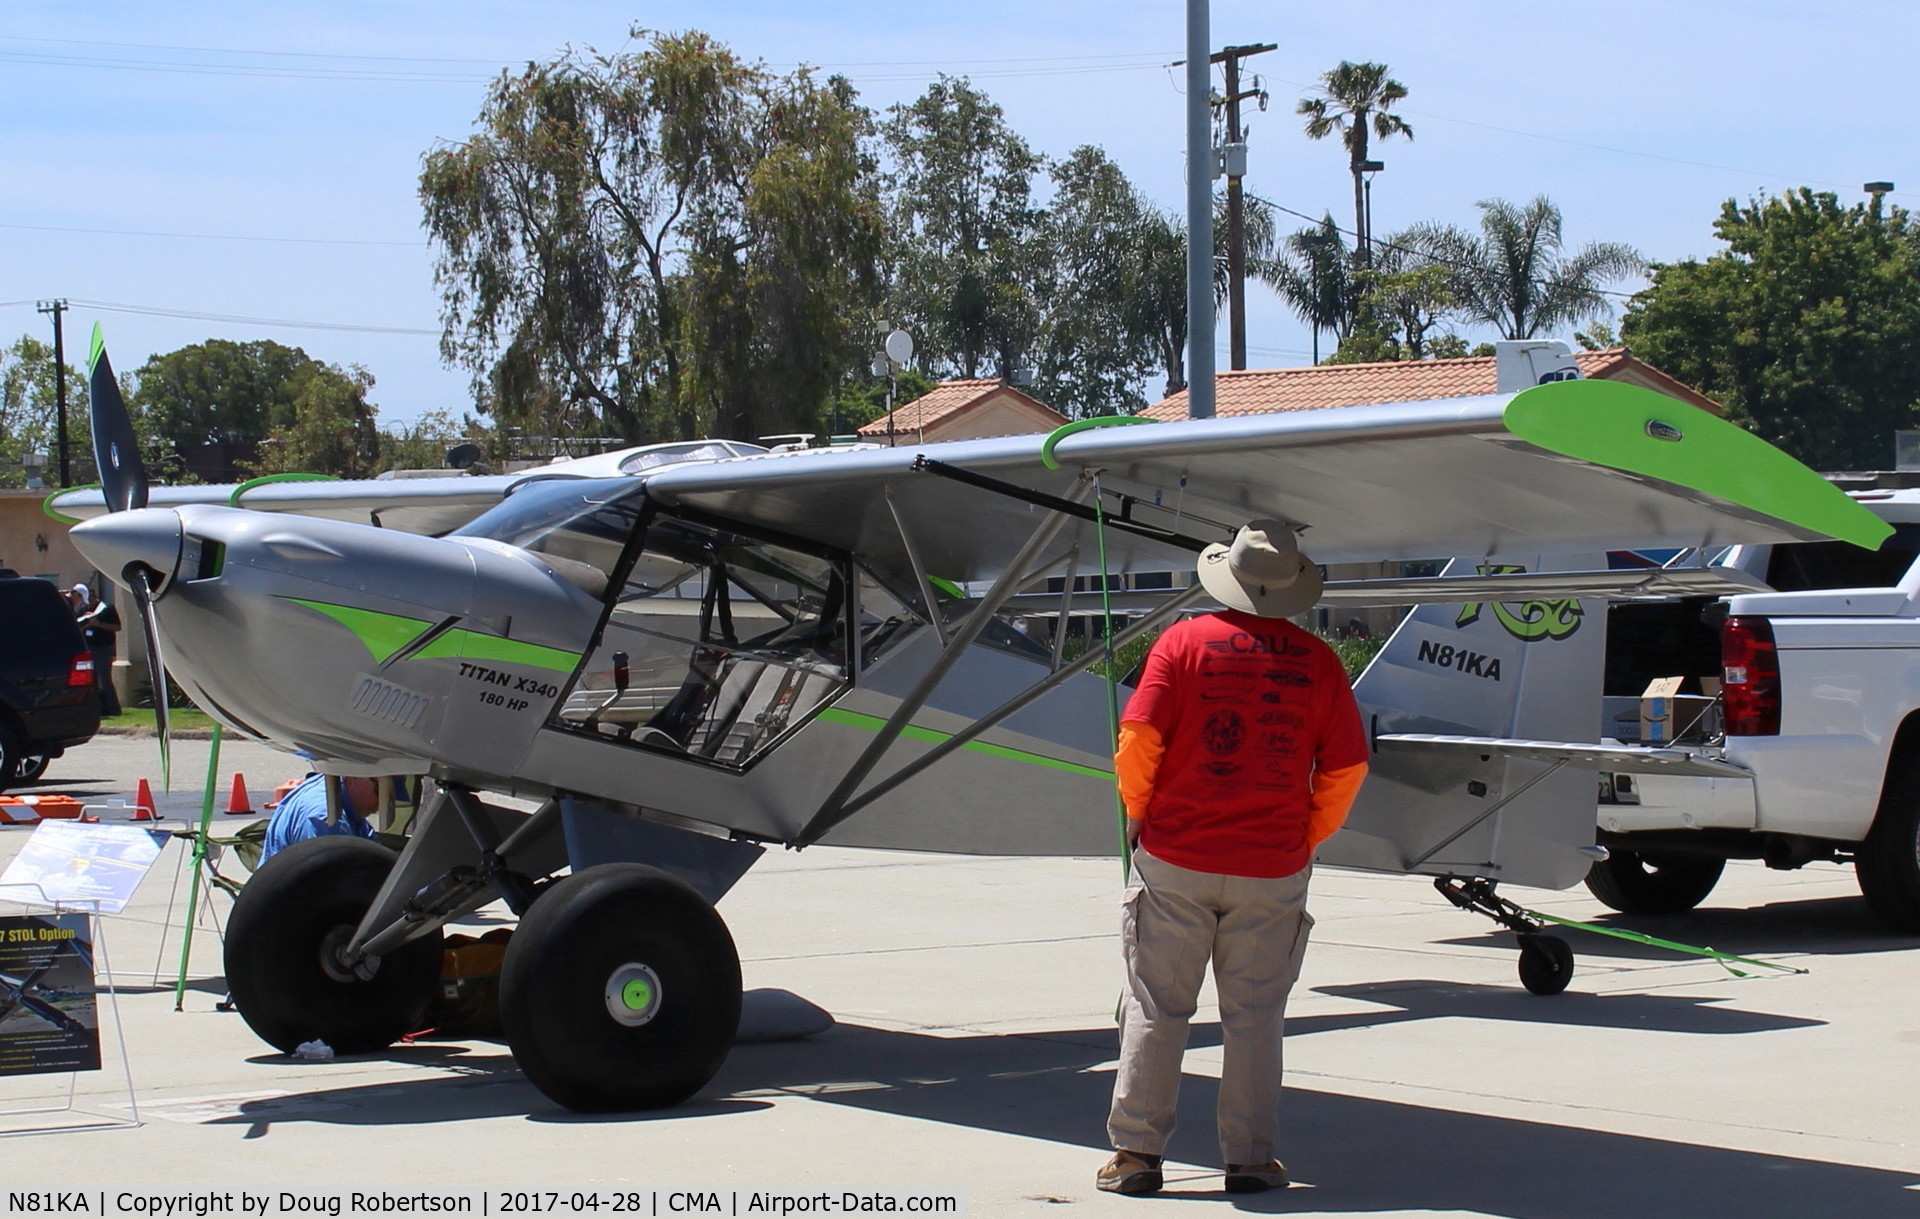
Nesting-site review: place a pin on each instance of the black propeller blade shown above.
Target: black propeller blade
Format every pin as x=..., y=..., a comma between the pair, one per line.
x=140, y=582
x=116, y=451
x=123, y=481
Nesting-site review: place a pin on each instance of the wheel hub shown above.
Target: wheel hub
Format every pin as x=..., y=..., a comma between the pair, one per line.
x=633, y=994
x=333, y=957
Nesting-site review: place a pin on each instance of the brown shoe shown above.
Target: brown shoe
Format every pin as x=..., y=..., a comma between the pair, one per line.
x=1256, y=1178
x=1130, y=1172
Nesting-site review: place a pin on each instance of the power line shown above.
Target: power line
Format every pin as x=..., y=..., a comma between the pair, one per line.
x=57, y=228
x=240, y=320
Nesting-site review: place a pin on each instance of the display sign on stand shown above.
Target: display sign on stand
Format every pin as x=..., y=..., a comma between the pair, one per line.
x=49, y=1020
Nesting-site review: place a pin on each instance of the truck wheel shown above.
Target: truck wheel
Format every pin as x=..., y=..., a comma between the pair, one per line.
x=299, y=909
x=1633, y=883
x=9, y=757
x=620, y=990
x=1888, y=861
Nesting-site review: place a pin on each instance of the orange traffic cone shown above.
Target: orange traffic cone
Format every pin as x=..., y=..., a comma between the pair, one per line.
x=239, y=804
x=144, y=809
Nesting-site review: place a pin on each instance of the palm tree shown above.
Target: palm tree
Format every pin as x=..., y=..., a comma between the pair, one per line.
x=1314, y=276
x=1354, y=101
x=1511, y=276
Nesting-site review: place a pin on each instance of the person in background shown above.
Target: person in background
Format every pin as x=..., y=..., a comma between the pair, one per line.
x=1240, y=752
x=99, y=624
x=302, y=813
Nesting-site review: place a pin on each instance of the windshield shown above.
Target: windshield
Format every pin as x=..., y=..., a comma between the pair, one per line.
x=586, y=520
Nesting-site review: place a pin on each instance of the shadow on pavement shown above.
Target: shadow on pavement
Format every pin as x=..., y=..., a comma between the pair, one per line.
x=1828, y=926
x=1359, y=1155
x=1431, y=999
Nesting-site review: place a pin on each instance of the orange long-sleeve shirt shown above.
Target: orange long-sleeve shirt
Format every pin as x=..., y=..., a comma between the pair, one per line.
x=1136, y=762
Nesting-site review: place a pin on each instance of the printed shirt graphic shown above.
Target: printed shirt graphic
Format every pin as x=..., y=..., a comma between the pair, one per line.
x=1248, y=707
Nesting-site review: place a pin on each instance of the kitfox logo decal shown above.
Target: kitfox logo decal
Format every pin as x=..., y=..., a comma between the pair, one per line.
x=1527, y=621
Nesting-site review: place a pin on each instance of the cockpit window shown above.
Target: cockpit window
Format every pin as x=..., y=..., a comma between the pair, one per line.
x=582, y=520
x=716, y=646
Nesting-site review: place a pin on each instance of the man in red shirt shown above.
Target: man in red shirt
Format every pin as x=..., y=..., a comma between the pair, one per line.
x=1241, y=751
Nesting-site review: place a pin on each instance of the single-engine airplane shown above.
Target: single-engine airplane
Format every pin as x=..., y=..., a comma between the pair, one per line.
x=690, y=663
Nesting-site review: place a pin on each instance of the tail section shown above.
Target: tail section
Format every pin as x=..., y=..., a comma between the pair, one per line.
x=1514, y=670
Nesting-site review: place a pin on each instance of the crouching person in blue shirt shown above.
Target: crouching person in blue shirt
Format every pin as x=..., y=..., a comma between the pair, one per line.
x=302, y=813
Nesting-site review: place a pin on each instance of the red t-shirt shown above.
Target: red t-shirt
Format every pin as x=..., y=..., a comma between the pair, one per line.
x=1247, y=708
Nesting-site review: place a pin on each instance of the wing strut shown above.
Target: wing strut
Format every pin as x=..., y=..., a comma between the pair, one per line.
x=1072, y=507
x=835, y=808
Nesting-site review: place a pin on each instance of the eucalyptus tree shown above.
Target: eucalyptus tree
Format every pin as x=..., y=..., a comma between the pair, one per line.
x=966, y=241
x=665, y=242
x=1511, y=275
x=1354, y=101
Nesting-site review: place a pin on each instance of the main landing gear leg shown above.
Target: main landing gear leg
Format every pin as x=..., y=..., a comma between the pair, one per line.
x=1546, y=962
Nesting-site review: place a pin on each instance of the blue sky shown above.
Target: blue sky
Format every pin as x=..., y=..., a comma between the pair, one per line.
x=306, y=121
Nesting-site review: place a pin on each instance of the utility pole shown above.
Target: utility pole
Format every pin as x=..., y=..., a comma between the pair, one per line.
x=1200, y=175
x=1235, y=158
x=56, y=308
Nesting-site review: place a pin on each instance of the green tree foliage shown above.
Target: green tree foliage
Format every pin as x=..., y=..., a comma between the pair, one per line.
x=1354, y=101
x=29, y=415
x=304, y=414
x=967, y=239
x=1804, y=326
x=1313, y=273
x=1511, y=276
x=1114, y=293
x=656, y=244
x=423, y=444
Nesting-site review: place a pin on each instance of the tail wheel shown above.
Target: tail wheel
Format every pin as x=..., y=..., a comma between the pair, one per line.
x=1546, y=964
x=1633, y=883
x=620, y=990
x=289, y=927
x=1887, y=863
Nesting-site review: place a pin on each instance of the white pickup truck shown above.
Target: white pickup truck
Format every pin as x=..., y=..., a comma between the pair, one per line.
x=1820, y=703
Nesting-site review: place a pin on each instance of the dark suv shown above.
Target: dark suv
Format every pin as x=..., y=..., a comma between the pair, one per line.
x=47, y=700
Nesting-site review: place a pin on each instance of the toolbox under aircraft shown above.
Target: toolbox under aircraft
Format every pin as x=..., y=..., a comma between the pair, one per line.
x=705, y=655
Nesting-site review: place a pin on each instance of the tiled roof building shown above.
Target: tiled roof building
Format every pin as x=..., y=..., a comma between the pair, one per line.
x=1263, y=391
x=964, y=410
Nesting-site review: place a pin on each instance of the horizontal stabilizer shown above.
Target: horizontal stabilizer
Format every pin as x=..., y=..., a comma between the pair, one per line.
x=1545, y=585
x=1446, y=590
x=1631, y=759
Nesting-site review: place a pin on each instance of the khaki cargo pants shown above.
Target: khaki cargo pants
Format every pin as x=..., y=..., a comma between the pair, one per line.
x=1255, y=932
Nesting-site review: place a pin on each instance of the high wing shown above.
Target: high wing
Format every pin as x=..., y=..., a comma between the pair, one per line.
x=1574, y=466
x=429, y=506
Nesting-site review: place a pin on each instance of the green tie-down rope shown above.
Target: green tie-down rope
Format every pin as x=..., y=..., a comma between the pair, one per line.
x=1724, y=959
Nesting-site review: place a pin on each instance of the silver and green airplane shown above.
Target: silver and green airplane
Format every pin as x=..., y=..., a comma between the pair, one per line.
x=709, y=651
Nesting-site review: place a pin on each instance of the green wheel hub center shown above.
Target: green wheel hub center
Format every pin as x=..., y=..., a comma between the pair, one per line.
x=633, y=994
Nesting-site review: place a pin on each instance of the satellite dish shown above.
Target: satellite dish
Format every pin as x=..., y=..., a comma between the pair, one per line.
x=462, y=455
x=899, y=347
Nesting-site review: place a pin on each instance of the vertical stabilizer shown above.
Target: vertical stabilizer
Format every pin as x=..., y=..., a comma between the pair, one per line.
x=1527, y=670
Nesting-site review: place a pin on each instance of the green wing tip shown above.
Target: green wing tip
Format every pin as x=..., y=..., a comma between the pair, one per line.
x=1080, y=425
x=96, y=347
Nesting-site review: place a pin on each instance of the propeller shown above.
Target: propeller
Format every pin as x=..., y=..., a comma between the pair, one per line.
x=123, y=481
x=116, y=450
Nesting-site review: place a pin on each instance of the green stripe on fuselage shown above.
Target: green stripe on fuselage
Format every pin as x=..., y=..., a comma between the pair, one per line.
x=385, y=634
x=471, y=645
x=873, y=723
x=1642, y=432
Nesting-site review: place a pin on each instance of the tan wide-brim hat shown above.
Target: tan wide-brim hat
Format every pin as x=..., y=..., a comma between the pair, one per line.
x=1262, y=573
